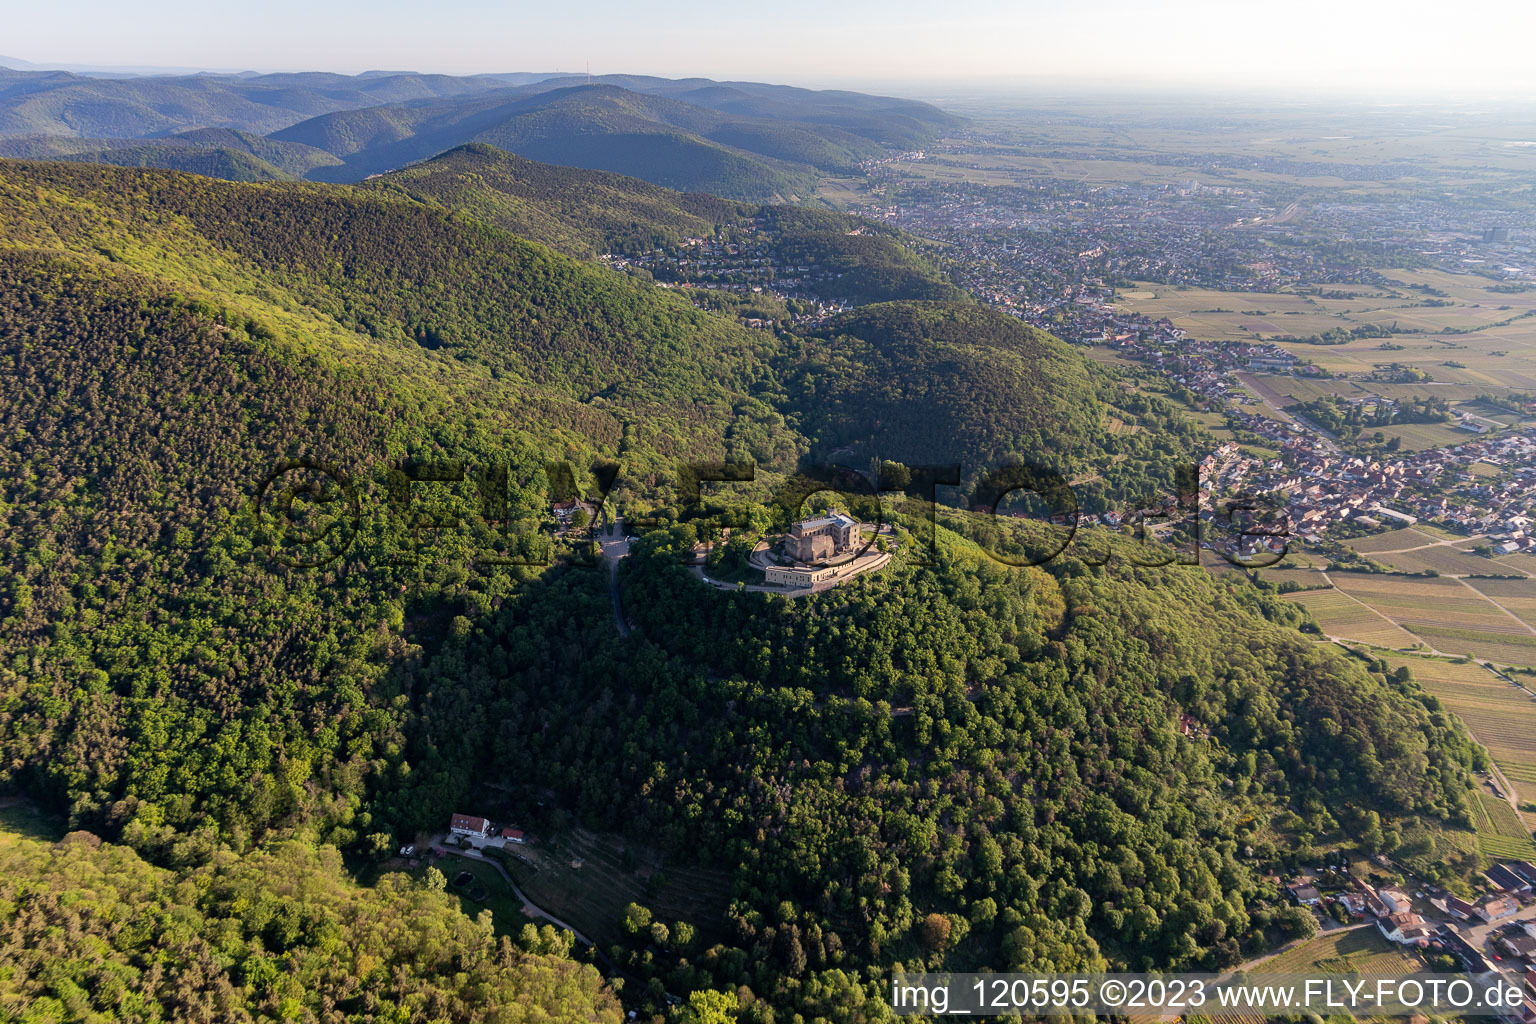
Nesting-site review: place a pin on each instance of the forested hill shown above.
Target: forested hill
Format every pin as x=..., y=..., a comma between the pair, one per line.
x=962, y=766
x=599, y=127
x=946, y=383
x=60, y=103
x=737, y=139
x=92, y=932
x=447, y=306
x=931, y=383
x=585, y=213
x=215, y=152
x=580, y=212
x=141, y=107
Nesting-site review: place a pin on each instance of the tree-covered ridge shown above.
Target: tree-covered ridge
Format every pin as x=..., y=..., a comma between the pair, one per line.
x=157, y=673
x=579, y=212
x=600, y=128
x=928, y=383
x=584, y=213
x=939, y=383
x=89, y=931
x=65, y=104
x=730, y=137
x=462, y=311
x=162, y=674
x=213, y=152
x=717, y=140
x=213, y=162
x=876, y=263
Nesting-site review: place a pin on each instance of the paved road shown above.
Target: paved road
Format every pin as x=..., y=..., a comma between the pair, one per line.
x=1480, y=936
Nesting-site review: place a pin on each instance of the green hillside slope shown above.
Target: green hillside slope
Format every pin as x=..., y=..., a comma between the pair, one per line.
x=290, y=158
x=92, y=932
x=943, y=381
x=594, y=127
x=214, y=162
x=214, y=152
x=583, y=213
x=940, y=383
x=405, y=286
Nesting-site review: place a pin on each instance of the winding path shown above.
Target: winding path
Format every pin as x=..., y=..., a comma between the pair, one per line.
x=530, y=908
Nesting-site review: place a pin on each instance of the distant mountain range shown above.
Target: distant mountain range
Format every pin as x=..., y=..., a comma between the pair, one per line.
x=739, y=140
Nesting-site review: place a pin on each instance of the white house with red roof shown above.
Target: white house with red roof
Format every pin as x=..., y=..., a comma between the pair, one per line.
x=468, y=825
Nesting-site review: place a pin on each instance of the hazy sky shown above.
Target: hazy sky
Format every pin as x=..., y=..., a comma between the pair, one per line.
x=1372, y=44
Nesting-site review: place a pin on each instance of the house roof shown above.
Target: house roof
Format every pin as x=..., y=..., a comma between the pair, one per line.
x=1458, y=904
x=468, y=821
x=1504, y=878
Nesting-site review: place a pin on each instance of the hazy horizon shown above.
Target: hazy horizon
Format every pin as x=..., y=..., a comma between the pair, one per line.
x=1368, y=49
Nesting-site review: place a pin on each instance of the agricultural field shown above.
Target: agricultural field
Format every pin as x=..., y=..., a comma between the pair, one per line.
x=1516, y=596
x=1213, y=563
x=1483, y=469
x=1108, y=356
x=1359, y=950
x=1212, y=315
x=1501, y=715
x=1442, y=558
x=588, y=880
x=1296, y=558
x=1519, y=562
x=1453, y=393
x=1415, y=437
x=1306, y=578
x=1490, y=337
x=1515, y=649
x=1306, y=389
x=1491, y=412
x=1450, y=616
x=1341, y=616
x=1500, y=832
x=1397, y=540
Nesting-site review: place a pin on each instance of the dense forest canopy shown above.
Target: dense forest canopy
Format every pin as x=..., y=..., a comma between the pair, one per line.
x=579, y=212
x=93, y=932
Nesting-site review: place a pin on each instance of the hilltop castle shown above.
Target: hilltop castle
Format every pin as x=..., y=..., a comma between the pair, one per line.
x=816, y=540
